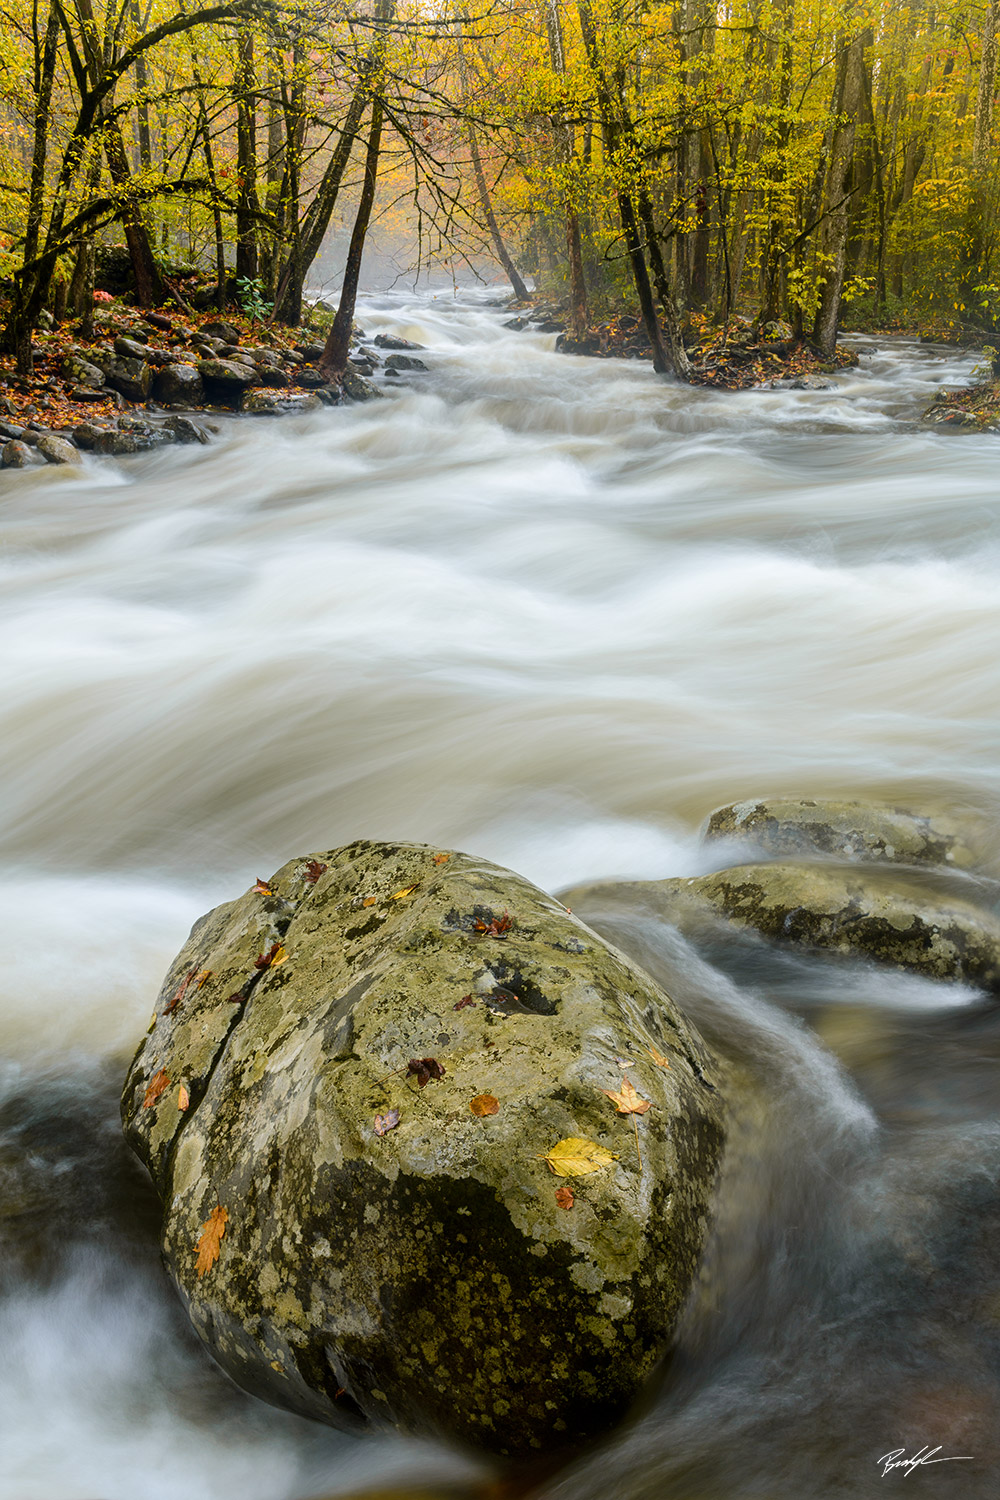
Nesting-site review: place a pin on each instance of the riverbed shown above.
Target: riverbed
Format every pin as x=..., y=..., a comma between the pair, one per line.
x=551, y=611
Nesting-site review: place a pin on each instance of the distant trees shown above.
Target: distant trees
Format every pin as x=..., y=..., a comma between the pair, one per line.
x=774, y=157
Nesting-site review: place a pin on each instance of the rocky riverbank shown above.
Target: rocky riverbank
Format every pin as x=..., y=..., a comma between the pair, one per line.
x=147, y=379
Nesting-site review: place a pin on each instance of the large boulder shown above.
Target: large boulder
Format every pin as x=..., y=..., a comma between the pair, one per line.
x=179, y=385
x=843, y=910
x=279, y=403
x=132, y=377
x=355, y=1097
x=225, y=380
x=791, y=828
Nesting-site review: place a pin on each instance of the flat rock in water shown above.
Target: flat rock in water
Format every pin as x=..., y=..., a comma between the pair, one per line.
x=275, y=403
x=404, y=362
x=353, y=1078
x=393, y=341
x=837, y=910
x=57, y=450
x=844, y=830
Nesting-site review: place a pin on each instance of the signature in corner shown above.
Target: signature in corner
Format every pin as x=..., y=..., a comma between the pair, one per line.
x=897, y=1459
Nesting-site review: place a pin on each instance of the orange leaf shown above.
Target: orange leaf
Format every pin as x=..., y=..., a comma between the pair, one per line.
x=203, y=976
x=183, y=1098
x=368, y=901
x=627, y=1101
x=263, y=888
x=157, y=1084
x=658, y=1057
x=484, y=1104
x=441, y=859
x=212, y=1231
x=564, y=1197
x=185, y=983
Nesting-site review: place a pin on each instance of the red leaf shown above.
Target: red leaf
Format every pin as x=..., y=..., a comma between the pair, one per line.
x=497, y=927
x=423, y=1069
x=157, y=1085
x=185, y=984
x=564, y=1197
x=313, y=871
x=465, y=1000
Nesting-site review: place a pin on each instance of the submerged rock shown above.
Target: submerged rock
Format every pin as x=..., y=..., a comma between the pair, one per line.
x=840, y=910
x=845, y=830
x=351, y=1081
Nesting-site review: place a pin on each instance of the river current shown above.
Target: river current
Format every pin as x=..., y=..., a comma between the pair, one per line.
x=551, y=611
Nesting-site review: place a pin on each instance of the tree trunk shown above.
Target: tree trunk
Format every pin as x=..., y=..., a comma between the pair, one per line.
x=148, y=285
x=27, y=298
x=984, y=93
x=338, y=344
x=847, y=107
x=246, y=158
x=579, y=314
x=500, y=249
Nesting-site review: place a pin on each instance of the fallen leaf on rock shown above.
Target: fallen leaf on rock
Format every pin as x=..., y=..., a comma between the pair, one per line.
x=577, y=1157
x=212, y=1232
x=441, y=859
x=496, y=927
x=185, y=984
x=263, y=887
x=627, y=1101
x=386, y=1122
x=274, y=956
x=313, y=870
x=658, y=1057
x=203, y=977
x=157, y=1084
x=238, y=999
x=564, y=1197
x=465, y=1000
x=423, y=1069
x=183, y=1098
x=401, y=895
x=369, y=901
x=484, y=1104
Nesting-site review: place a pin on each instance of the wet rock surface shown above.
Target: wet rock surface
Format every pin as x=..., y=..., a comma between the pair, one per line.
x=844, y=830
x=351, y=1079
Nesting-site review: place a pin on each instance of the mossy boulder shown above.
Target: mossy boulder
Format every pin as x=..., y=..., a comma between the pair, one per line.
x=790, y=828
x=836, y=909
x=420, y=1270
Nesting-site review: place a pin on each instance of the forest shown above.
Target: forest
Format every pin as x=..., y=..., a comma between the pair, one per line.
x=790, y=162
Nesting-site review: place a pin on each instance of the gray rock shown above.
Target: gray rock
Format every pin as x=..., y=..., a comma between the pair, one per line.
x=186, y=431
x=276, y=404
x=130, y=349
x=425, y=1276
x=132, y=377
x=404, y=362
x=46, y=322
x=226, y=372
x=57, y=450
x=863, y=912
x=358, y=388
x=276, y=379
x=88, y=395
x=393, y=341
x=121, y=444
x=17, y=455
x=227, y=332
x=179, y=385
x=10, y=431
x=845, y=830
x=82, y=371
x=310, y=352
x=86, y=434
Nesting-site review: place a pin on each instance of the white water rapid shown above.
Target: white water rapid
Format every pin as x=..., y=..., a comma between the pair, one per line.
x=551, y=611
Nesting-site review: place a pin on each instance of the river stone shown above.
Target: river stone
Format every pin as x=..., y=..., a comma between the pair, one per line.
x=179, y=385
x=839, y=910
x=132, y=377
x=358, y=388
x=274, y=403
x=227, y=332
x=81, y=371
x=57, y=450
x=427, y=1278
x=846, y=830
x=226, y=380
x=17, y=455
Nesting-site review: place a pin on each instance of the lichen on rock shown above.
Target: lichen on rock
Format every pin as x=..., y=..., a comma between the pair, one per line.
x=388, y=1254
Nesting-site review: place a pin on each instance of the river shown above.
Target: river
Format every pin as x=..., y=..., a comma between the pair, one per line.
x=551, y=611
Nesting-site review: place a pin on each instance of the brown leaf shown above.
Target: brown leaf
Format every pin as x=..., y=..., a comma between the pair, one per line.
x=185, y=984
x=423, y=1069
x=386, y=1122
x=183, y=1098
x=497, y=927
x=484, y=1104
x=626, y=1100
x=313, y=870
x=212, y=1232
x=401, y=895
x=465, y=1000
x=658, y=1057
x=238, y=999
x=157, y=1085
x=263, y=888
x=564, y=1197
x=441, y=859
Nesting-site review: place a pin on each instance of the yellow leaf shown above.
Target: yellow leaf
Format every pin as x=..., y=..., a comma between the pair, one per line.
x=576, y=1157
x=280, y=956
x=401, y=895
x=262, y=887
x=658, y=1057
x=212, y=1232
x=183, y=1098
x=627, y=1101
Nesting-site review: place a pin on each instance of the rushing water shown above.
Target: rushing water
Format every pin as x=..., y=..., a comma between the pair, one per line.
x=551, y=611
